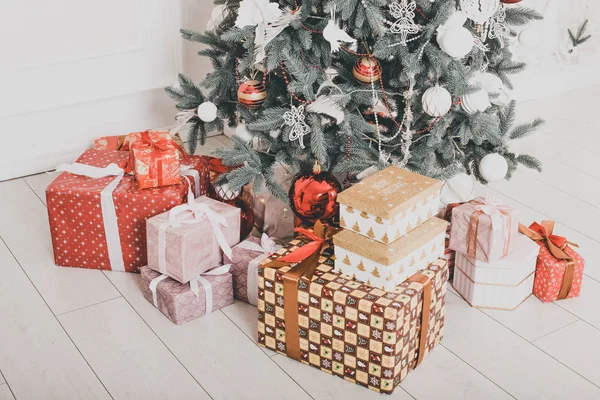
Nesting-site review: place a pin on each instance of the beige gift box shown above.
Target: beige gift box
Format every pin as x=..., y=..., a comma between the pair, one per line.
x=386, y=266
x=389, y=204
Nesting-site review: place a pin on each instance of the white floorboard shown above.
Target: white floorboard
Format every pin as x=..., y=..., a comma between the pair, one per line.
x=80, y=334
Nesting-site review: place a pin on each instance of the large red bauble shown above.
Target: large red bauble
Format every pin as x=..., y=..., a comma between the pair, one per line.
x=252, y=94
x=367, y=70
x=313, y=197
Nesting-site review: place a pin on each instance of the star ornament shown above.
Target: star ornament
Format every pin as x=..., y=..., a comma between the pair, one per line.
x=296, y=119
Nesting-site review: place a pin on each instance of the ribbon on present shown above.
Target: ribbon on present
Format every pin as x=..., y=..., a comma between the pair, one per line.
x=266, y=247
x=208, y=292
x=425, y=314
x=499, y=216
x=154, y=148
x=192, y=212
x=306, y=260
x=544, y=233
x=189, y=171
x=107, y=206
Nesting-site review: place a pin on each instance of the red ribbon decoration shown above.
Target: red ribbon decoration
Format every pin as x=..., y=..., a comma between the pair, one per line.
x=305, y=251
x=156, y=147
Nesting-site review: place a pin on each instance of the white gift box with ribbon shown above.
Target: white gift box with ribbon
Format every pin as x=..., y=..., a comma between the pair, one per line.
x=184, y=302
x=188, y=240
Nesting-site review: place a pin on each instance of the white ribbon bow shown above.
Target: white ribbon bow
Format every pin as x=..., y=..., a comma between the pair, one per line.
x=208, y=293
x=267, y=245
x=495, y=209
x=109, y=214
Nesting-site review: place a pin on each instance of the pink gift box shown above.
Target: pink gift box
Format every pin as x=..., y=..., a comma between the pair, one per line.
x=186, y=245
x=179, y=302
x=245, y=260
x=483, y=229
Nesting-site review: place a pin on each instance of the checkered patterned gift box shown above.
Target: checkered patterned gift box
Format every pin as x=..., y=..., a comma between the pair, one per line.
x=356, y=332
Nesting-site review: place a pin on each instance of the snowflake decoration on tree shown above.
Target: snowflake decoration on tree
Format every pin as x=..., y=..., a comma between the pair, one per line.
x=404, y=12
x=295, y=118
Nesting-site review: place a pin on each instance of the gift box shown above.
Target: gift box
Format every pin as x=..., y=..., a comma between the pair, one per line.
x=483, y=229
x=195, y=169
x=386, y=266
x=98, y=216
x=184, y=302
x=122, y=142
x=559, y=270
x=189, y=239
x=245, y=259
x=449, y=254
x=387, y=205
x=155, y=163
x=345, y=328
x=502, y=284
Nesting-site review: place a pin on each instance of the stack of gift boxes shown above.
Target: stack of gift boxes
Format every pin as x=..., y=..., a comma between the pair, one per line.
x=371, y=308
x=499, y=263
x=137, y=203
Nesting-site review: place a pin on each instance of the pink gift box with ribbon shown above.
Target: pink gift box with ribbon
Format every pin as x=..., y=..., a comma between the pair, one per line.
x=483, y=229
x=245, y=260
x=184, y=302
x=189, y=240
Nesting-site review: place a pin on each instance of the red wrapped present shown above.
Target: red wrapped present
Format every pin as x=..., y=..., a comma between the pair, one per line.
x=122, y=142
x=559, y=270
x=155, y=163
x=184, y=302
x=98, y=215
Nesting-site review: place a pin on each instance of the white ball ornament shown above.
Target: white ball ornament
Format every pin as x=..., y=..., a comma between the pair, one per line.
x=493, y=167
x=455, y=41
x=436, y=101
x=458, y=189
x=529, y=37
x=476, y=102
x=207, y=111
x=242, y=133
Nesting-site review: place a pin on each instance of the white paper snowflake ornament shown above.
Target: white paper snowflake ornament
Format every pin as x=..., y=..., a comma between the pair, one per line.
x=295, y=118
x=404, y=12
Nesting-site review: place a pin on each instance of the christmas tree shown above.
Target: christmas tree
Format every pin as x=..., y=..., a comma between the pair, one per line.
x=359, y=85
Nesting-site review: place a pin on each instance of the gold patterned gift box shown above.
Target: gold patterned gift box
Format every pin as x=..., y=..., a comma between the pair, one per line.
x=387, y=205
x=345, y=328
x=387, y=266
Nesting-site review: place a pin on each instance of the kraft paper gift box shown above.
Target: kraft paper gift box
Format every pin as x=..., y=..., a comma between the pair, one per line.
x=122, y=142
x=483, y=229
x=389, y=204
x=189, y=239
x=98, y=215
x=559, y=270
x=348, y=329
x=502, y=284
x=245, y=259
x=185, y=302
x=155, y=163
x=386, y=266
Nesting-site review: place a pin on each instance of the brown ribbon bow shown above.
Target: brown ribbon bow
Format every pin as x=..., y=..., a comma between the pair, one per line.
x=556, y=245
x=156, y=147
x=306, y=259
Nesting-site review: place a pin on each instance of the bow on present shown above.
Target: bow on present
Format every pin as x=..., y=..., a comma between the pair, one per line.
x=556, y=245
x=306, y=260
x=499, y=216
x=267, y=245
x=155, y=149
x=208, y=293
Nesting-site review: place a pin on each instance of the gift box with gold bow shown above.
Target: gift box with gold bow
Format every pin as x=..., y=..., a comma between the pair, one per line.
x=155, y=163
x=483, y=229
x=559, y=270
x=348, y=329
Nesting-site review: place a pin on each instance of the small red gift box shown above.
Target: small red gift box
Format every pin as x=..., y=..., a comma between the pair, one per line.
x=559, y=270
x=98, y=215
x=122, y=142
x=155, y=163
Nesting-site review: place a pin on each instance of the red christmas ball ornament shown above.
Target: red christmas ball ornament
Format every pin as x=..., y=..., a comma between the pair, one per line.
x=252, y=94
x=510, y=1
x=313, y=196
x=224, y=194
x=367, y=70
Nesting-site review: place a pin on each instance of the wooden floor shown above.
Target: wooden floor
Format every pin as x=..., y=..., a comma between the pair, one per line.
x=81, y=334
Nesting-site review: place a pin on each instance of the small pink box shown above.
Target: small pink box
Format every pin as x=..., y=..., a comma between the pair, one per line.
x=178, y=302
x=184, y=251
x=483, y=229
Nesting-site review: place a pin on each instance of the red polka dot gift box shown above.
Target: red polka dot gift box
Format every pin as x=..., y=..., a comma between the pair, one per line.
x=559, y=270
x=98, y=215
